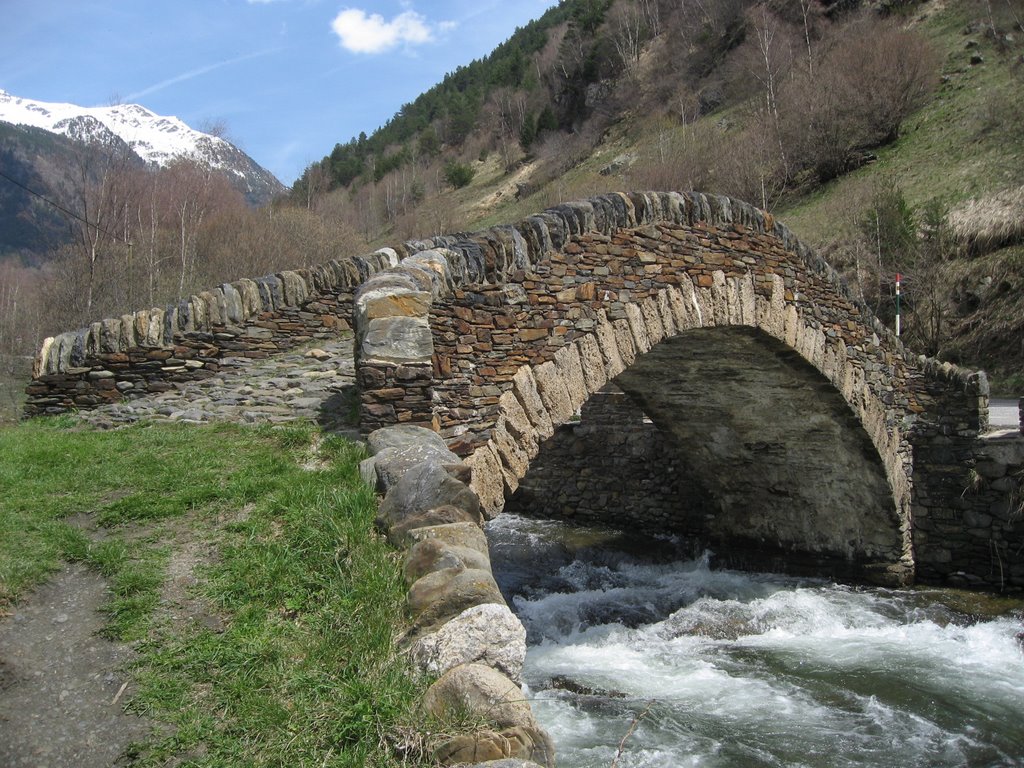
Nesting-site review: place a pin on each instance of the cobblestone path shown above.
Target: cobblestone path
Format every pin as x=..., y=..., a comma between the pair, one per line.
x=315, y=382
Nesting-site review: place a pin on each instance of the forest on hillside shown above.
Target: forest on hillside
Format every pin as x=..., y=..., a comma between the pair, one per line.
x=772, y=101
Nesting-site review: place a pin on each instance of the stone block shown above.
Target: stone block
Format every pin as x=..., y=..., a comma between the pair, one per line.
x=430, y=555
x=570, y=368
x=652, y=321
x=249, y=294
x=625, y=342
x=638, y=328
x=609, y=345
x=513, y=458
x=401, y=536
x=441, y=595
x=517, y=423
x=469, y=535
x=397, y=340
x=481, y=692
x=422, y=487
x=488, y=481
x=524, y=385
x=487, y=634
x=391, y=464
x=553, y=392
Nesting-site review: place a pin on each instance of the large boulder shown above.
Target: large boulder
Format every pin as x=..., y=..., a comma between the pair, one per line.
x=402, y=436
x=481, y=692
x=390, y=465
x=400, y=533
x=444, y=594
x=432, y=555
x=510, y=748
x=469, y=535
x=486, y=634
x=422, y=487
x=398, y=449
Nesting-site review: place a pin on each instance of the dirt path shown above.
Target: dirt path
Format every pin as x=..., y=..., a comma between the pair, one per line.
x=60, y=681
x=61, y=696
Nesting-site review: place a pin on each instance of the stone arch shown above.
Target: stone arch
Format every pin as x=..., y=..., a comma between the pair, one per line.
x=549, y=394
x=571, y=296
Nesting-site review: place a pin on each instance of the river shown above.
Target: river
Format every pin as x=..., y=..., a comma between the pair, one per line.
x=718, y=668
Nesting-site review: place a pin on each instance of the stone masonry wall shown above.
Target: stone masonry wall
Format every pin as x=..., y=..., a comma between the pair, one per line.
x=612, y=467
x=521, y=329
x=969, y=510
x=151, y=351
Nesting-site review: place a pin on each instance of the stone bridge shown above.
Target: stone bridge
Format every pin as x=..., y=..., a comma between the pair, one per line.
x=681, y=363
x=673, y=362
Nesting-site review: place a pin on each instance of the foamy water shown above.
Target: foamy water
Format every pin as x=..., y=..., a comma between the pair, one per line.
x=736, y=669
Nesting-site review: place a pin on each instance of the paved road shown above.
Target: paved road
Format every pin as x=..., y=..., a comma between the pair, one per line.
x=1002, y=413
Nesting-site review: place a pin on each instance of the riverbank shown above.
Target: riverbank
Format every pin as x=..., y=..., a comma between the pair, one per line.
x=237, y=585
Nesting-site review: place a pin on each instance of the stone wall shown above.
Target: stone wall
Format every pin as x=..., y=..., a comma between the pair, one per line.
x=520, y=330
x=969, y=510
x=461, y=631
x=613, y=467
x=150, y=351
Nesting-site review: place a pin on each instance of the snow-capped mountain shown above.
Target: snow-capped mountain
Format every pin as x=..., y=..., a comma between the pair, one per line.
x=156, y=139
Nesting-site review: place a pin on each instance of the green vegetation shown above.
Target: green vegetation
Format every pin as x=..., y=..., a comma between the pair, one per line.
x=285, y=654
x=458, y=174
x=453, y=107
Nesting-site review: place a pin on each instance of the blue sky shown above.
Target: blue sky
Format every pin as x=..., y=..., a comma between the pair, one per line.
x=290, y=78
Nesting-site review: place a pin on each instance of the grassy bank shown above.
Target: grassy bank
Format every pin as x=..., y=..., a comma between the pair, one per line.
x=242, y=566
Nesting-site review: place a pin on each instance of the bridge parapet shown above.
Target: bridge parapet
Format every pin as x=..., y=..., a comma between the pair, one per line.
x=151, y=350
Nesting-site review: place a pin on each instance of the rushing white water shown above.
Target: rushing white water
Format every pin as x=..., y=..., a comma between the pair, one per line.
x=737, y=669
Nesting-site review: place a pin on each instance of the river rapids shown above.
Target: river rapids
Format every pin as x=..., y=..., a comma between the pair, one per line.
x=640, y=656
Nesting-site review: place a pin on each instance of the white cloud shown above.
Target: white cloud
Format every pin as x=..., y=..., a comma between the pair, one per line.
x=360, y=32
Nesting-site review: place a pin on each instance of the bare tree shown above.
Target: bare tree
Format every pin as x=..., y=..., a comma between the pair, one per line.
x=627, y=25
x=95, y=196
x=889, y=72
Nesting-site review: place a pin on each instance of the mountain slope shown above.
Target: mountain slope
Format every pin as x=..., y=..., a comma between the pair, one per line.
x=156, y=139
x=838, y=116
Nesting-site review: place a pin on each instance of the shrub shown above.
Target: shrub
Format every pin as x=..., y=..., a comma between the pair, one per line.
x=458, y=174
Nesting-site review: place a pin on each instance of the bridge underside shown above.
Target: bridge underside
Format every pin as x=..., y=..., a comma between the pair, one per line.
x=786, y=463
x=758, y=456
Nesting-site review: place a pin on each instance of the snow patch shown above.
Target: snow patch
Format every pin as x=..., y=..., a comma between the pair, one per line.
x=155, y=138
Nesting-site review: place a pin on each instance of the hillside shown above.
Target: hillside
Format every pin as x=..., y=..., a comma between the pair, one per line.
x=878, y=131
x=51, y=150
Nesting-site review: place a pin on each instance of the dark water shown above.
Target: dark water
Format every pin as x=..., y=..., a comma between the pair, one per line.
x=723, y=668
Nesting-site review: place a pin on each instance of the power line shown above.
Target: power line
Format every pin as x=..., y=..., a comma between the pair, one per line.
x=62, y=209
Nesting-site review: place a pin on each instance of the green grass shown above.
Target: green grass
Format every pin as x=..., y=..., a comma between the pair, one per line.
x=967, y=141
x=286, y=655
